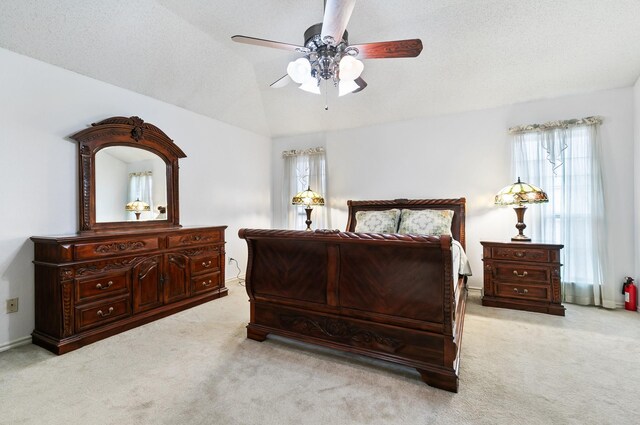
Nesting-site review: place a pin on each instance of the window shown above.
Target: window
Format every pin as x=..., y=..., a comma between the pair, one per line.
x=562, y=158
x=303, y=169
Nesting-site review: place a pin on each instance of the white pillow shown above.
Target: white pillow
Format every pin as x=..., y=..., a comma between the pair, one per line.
x=377, y=221
x=426, y=222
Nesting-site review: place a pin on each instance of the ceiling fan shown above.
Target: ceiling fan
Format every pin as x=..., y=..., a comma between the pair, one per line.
x=328, y=55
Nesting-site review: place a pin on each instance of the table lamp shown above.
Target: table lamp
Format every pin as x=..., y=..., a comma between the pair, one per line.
x=308, y=198
x=137, y=207
x=518, y=194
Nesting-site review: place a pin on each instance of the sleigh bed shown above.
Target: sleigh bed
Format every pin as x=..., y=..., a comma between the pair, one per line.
x=395, y=297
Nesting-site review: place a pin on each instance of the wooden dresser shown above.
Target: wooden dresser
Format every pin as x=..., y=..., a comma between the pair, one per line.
x=522, y=276
x=91, y=286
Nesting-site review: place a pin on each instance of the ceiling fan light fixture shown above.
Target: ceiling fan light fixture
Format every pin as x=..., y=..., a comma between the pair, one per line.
x=350, y=68
x=299, y=70
x=311, y=86
x=346, y=87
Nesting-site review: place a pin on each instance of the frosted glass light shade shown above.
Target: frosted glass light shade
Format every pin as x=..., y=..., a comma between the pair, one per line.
x=310, y=85
x=346, y=87
x=299, y=70
x=350, y=68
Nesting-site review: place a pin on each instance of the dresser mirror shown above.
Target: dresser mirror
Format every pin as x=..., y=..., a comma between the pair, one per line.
x=124, y=175
x=128, y=176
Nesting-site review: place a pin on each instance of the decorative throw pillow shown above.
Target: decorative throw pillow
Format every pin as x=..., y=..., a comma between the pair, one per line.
x=377, y=221
x=426, y=222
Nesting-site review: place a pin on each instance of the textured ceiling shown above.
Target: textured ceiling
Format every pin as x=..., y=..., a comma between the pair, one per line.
x=477, y=54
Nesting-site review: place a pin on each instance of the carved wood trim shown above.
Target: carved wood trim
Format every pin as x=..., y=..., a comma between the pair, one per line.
x=189, y=239
x=115, y=265
x=198, y=251
x=67, y=309
x=340, y=330
x=119, y=247
x=65, y=274
x=258, y=233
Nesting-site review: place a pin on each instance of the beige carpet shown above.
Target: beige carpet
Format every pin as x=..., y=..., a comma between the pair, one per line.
x=197, y=367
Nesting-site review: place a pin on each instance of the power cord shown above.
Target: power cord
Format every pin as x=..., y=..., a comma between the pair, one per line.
x=240, y=281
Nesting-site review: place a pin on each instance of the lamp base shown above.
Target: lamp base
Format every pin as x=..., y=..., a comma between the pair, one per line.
x=308, y=221
x=520, y=237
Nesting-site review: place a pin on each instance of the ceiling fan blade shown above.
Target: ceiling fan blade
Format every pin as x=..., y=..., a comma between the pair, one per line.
x=361, y=85
x=281, y=82
x=268, y=43
x=336, y=18
x=389, y=49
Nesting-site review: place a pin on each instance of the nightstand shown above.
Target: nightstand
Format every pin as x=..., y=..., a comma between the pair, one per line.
x=522, y=276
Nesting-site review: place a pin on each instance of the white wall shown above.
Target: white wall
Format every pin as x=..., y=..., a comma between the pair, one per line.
x=224, y=180
x=468, y=155
x=636, y=113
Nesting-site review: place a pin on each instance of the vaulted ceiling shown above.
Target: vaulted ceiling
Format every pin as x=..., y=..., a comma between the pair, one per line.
x=477, y=54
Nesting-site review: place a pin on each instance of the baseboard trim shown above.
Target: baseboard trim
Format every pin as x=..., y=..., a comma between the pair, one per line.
x=236, y=279
x=474, y=290
x=15, y=343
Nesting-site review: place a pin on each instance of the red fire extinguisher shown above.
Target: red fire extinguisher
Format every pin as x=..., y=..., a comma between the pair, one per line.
x=630, y=290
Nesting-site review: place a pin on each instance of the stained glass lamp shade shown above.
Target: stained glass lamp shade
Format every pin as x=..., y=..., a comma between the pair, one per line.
x=308, y=198
x=137, y=207
x=519, y=194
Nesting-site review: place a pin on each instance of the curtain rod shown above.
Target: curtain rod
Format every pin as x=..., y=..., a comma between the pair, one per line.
x=553, y=125
x=310, y=151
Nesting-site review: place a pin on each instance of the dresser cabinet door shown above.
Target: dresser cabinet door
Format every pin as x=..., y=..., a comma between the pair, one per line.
x=147, y=284
x=176, y=282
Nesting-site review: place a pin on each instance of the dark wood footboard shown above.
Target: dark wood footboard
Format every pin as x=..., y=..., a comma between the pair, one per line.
x=386, y=296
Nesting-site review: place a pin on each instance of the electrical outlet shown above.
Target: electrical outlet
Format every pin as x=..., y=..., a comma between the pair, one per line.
x=12, y=305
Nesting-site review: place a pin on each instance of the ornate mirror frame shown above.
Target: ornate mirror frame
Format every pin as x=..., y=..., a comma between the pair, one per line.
x=133, y=132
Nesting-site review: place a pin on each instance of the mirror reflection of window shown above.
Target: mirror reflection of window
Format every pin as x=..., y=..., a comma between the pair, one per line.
x=141, y=189
x=124, y=174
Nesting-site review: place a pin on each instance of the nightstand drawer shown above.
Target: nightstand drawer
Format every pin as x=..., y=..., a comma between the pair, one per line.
x=515, y=290
x=521, y=272
x=538, y=255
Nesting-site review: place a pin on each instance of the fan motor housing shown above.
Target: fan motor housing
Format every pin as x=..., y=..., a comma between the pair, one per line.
x=314, y=31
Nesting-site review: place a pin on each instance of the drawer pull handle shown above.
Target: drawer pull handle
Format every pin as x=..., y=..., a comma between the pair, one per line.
x=207, y=264
x=206, y=283
x=99, y=285
x=101, y=314
x=524, y=291
x=519, y=254
x=524, y=274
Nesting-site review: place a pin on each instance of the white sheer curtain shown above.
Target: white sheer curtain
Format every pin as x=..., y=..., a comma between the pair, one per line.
x=302, y=169
x=141, y=188
x=562, y=158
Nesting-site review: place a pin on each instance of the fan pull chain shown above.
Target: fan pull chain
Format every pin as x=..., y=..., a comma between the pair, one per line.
x=326, y=96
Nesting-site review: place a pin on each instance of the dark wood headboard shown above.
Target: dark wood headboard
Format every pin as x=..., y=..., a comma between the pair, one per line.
x=456, y=205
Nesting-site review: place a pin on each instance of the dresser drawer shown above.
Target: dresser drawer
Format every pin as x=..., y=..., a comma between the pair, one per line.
x=107, y=248
x=515, y=290
x=205, y=282
x=106, y=286
x=539, y=255
x=521, y=272
x=205, y=263
x=194, y=238
x=97, y=314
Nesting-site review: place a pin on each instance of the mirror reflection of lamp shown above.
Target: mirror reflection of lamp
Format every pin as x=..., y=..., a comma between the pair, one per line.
x=308, y=198
x=137, y=207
